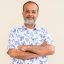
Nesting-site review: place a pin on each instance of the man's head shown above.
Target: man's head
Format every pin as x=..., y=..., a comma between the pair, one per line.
x=30, y=12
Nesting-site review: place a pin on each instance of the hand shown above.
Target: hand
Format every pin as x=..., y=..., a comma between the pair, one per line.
x=44, y=43
x=23, y=47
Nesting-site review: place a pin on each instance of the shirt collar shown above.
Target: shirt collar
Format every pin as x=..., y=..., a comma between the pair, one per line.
x=35, y=27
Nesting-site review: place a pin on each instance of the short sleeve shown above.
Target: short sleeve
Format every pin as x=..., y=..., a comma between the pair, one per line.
x=48, y=38
x=12, y=41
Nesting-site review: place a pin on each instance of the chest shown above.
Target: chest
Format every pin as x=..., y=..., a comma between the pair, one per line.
x=31, y=38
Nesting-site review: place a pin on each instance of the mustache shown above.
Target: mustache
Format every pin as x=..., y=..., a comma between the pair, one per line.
x=30, y=17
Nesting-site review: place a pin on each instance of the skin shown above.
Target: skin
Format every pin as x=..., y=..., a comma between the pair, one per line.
x=41, y=50
x=27, y=51
x=30, y=12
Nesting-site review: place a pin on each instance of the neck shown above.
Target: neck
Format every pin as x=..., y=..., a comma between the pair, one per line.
x=30, y=26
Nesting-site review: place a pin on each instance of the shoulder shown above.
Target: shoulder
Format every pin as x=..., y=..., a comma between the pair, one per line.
x=42, y=29
x=15, y=29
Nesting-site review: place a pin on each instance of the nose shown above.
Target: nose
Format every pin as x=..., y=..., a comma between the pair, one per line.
x=30, y=14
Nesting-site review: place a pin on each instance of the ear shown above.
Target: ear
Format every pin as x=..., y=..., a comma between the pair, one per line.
x=37, y=14
x=22, y=13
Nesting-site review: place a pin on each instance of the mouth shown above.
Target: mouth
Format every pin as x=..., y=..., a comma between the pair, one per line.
x=31, y=18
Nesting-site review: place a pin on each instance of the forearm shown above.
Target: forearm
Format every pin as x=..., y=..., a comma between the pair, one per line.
x=21, y=54
x=42, y=50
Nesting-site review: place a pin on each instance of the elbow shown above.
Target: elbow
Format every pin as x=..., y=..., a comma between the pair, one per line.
x=11, y=53
x=52, y=50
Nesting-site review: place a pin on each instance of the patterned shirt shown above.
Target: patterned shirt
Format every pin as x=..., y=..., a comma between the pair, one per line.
x=24, y=36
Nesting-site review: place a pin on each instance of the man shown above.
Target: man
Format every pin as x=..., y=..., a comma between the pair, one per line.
x=29, y=44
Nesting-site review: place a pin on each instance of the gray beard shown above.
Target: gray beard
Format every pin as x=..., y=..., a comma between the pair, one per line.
x=29, y=21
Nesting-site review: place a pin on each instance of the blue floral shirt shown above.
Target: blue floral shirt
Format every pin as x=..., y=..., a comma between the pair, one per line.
x=24, y=36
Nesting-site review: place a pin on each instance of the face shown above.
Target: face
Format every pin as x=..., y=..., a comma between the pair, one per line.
x=30, y=13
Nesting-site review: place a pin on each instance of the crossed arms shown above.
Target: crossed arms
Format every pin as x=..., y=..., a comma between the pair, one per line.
x=31, y=51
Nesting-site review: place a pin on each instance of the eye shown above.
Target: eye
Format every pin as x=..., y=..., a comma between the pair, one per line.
x=33, y=11
x=27, y=11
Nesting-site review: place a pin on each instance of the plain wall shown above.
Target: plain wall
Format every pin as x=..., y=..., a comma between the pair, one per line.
x=51, y=15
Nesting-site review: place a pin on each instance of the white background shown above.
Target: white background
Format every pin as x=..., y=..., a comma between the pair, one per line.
x=51, y=15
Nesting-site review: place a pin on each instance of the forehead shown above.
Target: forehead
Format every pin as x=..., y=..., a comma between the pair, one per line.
x=30, y=6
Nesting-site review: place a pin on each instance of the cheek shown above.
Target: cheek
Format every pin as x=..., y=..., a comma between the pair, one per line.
x=25, y=15
x=35, y=16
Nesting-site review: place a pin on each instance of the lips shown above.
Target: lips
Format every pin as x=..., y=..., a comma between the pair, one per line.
x=30, y=18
